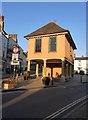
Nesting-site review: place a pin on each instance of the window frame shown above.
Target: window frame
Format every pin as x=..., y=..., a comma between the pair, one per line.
x=50, y=44
x=36, y=46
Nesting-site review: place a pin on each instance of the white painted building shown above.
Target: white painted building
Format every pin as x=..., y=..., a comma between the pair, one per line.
x=7, y=41
x=11, y=42
x=3, y=52
x=81, y=63
x=22, y=59
x=3, y=46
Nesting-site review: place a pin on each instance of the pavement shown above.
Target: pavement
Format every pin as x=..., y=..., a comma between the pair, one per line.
x=36, y=83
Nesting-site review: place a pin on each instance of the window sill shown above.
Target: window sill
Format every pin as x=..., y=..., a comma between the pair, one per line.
x=37, y=52
x=52, y=51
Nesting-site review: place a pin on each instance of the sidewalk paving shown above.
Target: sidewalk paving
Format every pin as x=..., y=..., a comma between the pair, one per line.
x=36, y=83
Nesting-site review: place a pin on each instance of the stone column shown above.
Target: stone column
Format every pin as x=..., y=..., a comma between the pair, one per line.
x=29, y=65
x=37, y=67
x=44, y=68
x=70, y=70
x=67, y=74
x=63, y=67
x=63, y=71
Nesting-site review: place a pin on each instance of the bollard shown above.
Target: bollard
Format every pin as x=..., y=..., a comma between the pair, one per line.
x=16, y=76
x=81, y=79
x=52, y=82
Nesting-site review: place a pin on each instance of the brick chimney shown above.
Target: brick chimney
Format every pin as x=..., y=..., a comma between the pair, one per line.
x=1, y=23
x=13, y=36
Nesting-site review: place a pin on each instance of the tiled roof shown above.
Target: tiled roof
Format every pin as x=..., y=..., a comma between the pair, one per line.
x=81, y=58
x=50, y=28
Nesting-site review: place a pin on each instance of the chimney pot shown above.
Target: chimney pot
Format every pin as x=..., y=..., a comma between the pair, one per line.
x=13, y=36
x=1, y=23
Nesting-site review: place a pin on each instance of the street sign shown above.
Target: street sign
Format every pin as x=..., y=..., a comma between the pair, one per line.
x=15, y=63
x=14, y=57
x=15, y=53
x=15, y=49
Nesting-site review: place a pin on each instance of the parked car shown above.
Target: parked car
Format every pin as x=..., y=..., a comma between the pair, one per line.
x=81, y=72
x=76, y=72
x=86, y=73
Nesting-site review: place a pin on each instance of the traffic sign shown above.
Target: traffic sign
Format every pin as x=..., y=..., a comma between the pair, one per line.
x=15, y=49
x=14, y=57
x=14, y=63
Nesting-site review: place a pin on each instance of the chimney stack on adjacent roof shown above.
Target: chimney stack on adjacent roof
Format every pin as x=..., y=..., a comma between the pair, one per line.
x=1, y=23
x=13, y=36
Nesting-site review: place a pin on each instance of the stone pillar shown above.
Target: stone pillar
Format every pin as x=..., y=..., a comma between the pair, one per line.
x=37, y=67
x=63, y=71
x=63, y=67
x=29, y=65
x=70, y=70
x=44, y=68
x=67, y=71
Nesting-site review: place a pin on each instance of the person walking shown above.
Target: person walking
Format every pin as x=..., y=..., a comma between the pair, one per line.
x=51, y=79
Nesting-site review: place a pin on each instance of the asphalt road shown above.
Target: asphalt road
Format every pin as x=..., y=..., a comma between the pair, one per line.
x=42, y=103
x=80, y=112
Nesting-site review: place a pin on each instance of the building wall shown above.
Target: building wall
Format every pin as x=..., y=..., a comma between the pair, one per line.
x=82, y=64
x=69, y=52
x=10, y=45
x=0, y=52
x=7, y=41
x=22, y=59
x=3, y=52
x=57, y=70
x=4, y=46
x=21, y=56
x=62, y=49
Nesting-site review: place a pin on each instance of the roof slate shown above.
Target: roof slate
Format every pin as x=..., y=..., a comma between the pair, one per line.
x=81, y=58
x=50, y=28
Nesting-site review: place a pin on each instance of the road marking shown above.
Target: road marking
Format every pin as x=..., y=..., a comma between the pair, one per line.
x=55, y=114
x=68, y=114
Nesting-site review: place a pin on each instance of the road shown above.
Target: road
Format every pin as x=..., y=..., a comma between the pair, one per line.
x=42, y=103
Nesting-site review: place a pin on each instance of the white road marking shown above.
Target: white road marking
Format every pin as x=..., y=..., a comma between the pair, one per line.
x=55, y=114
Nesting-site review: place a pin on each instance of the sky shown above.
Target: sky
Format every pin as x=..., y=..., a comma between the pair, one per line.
x=23, y=18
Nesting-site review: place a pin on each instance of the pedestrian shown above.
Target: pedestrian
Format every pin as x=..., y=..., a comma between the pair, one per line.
x=25, y=75
x=51, y=79
x=57, y=75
